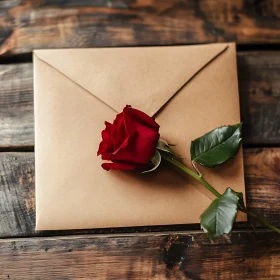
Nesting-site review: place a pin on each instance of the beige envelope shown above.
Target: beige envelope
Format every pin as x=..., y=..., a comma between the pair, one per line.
x=189, y=89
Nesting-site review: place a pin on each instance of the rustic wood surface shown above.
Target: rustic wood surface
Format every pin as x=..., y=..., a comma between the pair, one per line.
x=17, y=212
x=16, y=105
x=33, y=24
x=243, y=255
x=259, y=85
x=159, y=252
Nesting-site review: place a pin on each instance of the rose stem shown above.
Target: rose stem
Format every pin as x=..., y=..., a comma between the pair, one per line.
x=261, y=220
x=181, y=166
x=190, y=172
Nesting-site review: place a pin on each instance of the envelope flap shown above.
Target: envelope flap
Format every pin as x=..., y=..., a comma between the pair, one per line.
x=144, y=77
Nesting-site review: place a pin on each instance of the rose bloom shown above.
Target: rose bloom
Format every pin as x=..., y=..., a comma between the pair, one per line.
x=130, y=142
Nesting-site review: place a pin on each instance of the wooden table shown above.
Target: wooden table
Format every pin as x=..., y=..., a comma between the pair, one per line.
x=160, y=252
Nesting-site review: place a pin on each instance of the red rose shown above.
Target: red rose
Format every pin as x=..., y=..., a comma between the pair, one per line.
x=130, y=142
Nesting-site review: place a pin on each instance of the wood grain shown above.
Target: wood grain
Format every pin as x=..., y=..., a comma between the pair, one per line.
x=243, y=255
x=259, y=93
x=17, y=211
x=34, y=24
x=16, y=105
x=259, y=88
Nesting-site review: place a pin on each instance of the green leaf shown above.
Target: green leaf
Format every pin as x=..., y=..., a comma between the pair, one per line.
x=163, y=146
x=156, y=160
x=241, y=204
x=217, y=146
x=219, y=217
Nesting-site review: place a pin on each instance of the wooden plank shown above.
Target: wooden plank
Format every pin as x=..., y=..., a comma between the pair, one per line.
x=259, y=92
x=142, y=256
x=33, y=24
x=17, y=211
x=259, y=88
x=16, y=105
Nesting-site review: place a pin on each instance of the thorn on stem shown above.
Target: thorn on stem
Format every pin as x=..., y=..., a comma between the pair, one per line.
x=196, y=169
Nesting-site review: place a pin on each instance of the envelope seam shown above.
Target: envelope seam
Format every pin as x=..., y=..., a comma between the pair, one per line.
x=87, y=91
x=191, y=78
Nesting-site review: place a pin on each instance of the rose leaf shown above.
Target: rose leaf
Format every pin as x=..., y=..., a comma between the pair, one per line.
x=156, y=160
x=220, y=216
x=217, y=146
x=162, y=145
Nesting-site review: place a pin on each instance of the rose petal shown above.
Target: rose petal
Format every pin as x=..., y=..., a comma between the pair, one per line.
x=106, y=144
x=103, y=147
x=120, y=134
x=140, y=117
x=106, y=156
x=118, y=166
x=108, y=131
x=137, y=149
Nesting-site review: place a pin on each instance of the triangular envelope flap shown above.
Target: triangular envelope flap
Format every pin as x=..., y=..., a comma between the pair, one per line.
x=144, y=77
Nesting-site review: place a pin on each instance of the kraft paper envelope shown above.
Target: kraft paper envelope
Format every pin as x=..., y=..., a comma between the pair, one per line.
x=190, y=90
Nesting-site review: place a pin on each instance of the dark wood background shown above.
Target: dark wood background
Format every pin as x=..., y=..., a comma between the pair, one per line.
x=159, y=252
